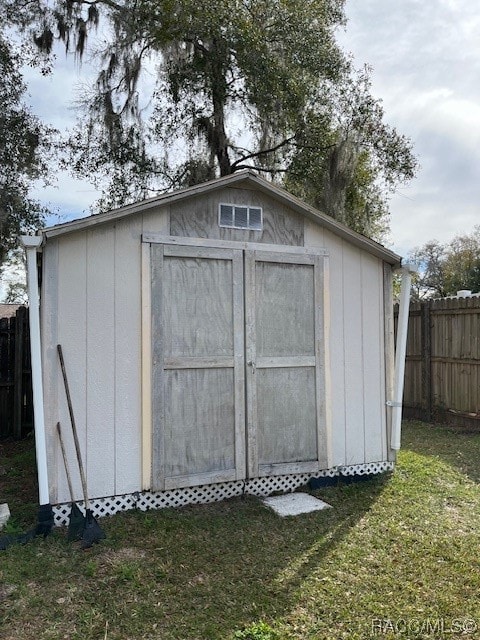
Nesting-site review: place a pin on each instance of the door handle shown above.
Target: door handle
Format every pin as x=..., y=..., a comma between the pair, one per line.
x=251, y=363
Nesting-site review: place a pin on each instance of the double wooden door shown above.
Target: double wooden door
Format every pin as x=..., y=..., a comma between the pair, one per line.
x=238, y=364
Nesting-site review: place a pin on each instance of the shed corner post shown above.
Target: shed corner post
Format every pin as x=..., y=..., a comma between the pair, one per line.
x=147, y=361
x=31, y=245
x=407, y=270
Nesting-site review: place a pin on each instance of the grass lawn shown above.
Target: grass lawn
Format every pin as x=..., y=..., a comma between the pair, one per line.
x=397, y=557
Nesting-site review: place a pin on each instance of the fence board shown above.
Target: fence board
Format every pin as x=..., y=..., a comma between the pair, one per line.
x=442, y=371
x=16, y=404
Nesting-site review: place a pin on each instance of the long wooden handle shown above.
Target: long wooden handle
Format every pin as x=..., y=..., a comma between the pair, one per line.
x=74, y=428
x=64, y=455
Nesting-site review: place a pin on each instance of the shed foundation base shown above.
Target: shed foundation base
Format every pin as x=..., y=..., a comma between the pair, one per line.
x=260, y=487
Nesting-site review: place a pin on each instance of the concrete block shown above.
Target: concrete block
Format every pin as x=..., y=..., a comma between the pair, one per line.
x=4, y=514
x=293, y=504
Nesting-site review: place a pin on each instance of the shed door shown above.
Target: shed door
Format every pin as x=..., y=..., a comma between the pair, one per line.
x=198, y=366
x=285, y=363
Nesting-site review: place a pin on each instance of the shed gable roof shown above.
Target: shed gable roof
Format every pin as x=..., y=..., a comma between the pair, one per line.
x=247, y=179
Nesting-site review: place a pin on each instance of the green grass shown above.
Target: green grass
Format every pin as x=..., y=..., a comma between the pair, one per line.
x=397, y=557
x=18, y=482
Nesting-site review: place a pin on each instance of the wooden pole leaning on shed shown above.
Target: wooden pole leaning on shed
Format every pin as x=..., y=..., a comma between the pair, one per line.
x=77, y=521
x=92, y=532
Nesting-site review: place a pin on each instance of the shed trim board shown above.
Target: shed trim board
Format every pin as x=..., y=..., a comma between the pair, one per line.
x=389, y=352
x=174, y=464
x=156, y=238
x=147, y=451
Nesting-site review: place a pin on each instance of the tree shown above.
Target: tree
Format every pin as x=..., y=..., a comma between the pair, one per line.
x=239, y=83
x=351, y=178
x=14, y=278
x=23, y=146
x=450, y=267
x=462, y=268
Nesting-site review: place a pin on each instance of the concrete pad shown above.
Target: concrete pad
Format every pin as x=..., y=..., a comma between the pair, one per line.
x=293, y=504
x=4, y=514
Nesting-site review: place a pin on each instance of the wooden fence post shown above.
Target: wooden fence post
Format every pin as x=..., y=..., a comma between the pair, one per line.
x=16, y=411
x=426, y=333
x=18, y=373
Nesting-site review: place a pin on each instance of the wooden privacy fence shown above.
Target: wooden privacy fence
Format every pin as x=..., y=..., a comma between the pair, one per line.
x=16, y=405
x=442, y=373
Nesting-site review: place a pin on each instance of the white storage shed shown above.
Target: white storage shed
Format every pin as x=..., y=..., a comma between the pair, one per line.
x=221, y=339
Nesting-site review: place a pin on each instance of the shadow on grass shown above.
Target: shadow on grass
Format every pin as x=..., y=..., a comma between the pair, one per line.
x=201, y=572
x=211, y=570
x=388, y=547
x=197, y=572
x=460, y=448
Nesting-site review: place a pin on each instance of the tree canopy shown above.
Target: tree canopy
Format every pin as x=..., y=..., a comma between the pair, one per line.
x=191, y=89
x=23, y=148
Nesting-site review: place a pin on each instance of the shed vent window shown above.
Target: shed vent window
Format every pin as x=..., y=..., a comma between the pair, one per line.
x=240, y=217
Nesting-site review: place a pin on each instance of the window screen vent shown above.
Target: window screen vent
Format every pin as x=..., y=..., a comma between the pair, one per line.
x=238, y=216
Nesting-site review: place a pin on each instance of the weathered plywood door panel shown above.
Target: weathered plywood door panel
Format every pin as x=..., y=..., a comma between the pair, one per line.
x=285, y=363
x=198, y=377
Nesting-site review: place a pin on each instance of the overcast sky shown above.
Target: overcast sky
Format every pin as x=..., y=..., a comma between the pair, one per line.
x=425, y=56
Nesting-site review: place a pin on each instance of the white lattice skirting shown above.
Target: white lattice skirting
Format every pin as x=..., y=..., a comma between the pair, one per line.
x=261, y=487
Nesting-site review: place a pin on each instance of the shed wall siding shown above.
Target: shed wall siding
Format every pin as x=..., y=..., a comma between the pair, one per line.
x=356, y=350
x=198, y=218
x=92, y=307
x=72, y=335
x=100, y=361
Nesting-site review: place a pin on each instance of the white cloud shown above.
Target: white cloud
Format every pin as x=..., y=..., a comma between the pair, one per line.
x=455, y=118
x=68, y=198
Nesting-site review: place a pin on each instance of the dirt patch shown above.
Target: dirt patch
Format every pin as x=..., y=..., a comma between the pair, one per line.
x=119, y=556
